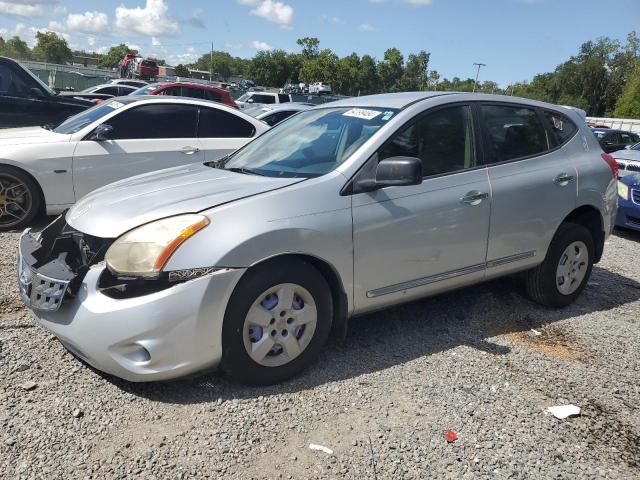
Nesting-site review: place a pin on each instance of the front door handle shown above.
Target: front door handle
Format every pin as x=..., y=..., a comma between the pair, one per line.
x=563, y=179
x=474, y=197
x=189, y=150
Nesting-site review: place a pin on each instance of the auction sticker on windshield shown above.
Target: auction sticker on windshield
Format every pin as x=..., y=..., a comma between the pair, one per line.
x=361, y=113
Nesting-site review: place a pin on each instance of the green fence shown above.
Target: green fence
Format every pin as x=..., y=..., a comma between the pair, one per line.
x=69, y=77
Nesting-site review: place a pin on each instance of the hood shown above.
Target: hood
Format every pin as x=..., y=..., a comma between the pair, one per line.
x=627, y=155
x=13, y=136
x=116, y=208
x=633, y=179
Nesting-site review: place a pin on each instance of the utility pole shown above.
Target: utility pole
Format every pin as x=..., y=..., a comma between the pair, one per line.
x=479, y=65
x=211, y=64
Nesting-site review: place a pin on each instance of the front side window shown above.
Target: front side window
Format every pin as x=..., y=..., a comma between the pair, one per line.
x=155, y=121
x=83, y=119
x=561, y=126
x=264, y=99
x=11, y=83
x=213, y=96
x=310, y=144
x=628, y=137
x=443, y=140
x=283, y=98
x=107, y=91
x=513, y=132
x=215, y=123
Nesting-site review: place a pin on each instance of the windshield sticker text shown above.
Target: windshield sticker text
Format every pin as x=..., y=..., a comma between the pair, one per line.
x=361, y=113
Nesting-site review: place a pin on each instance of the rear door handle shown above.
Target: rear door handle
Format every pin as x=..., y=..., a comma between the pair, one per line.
x=474, y=197
x=563, y=179
x=189, y=150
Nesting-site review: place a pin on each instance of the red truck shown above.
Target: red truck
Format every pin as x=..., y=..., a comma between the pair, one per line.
x=134, y=66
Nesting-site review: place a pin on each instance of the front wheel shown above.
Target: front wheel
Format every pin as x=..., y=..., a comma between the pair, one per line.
x=276, y=323
x=19, y=199
x=566, y=269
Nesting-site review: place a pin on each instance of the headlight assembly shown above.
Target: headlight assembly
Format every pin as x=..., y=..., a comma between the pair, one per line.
x=623, y=190
x=144, y=251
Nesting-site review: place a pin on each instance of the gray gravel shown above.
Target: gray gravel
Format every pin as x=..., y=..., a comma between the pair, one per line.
x=380, y=400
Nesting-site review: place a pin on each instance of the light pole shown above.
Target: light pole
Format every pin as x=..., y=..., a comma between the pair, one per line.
x=479, y=65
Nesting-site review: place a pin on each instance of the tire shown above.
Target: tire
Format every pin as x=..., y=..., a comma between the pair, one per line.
x=548, y=284
x=20, y=199
x=251, y=295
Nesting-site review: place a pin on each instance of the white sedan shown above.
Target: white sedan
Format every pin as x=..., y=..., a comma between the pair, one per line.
x=48, y=170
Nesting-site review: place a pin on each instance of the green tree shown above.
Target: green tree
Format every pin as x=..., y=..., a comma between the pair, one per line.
x=114, y=55
x=415, y=75
x=321, y=68
x=390, y=70
x=51, y=48
x=270, y=68
x=368, y=76
x=310, y=47
x=346, y=78
x=628, y=104
x=15, y=48
x=181, y=71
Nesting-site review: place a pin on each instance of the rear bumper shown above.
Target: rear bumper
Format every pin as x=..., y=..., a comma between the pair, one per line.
x=160, y=336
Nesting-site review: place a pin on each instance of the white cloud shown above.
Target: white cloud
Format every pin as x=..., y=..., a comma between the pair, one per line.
x=152, y=19
x=258, y=45
x=3, y=31
x=155, y=41
x=272, y=11
x=365, y=27
x=91, y=40
x=22, y=9
x=333, y=20
x=88, y=22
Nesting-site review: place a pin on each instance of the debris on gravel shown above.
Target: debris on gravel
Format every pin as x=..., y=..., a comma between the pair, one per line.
x=380, y=399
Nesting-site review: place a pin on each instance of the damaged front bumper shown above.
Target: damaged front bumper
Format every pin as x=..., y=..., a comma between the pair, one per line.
x=173, y=331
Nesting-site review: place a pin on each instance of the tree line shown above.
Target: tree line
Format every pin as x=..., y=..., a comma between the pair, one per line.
x=603, y=77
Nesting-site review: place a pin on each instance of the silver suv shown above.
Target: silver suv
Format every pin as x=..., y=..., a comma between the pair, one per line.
x=248, y=263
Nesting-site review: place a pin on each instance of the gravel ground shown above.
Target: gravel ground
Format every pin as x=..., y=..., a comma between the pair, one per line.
x=380, y=400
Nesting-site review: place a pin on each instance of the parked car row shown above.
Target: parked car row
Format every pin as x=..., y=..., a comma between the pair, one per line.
x=249, y=261
x=250, y=99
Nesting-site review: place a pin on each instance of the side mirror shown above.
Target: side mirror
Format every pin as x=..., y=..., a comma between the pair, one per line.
x=36, y=93
x=250, y=100
x=399, y=171
x=103, y=132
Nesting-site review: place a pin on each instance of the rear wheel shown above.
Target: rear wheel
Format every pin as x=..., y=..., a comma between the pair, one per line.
x=19, y=198
x=566, y=269
x=276, y=323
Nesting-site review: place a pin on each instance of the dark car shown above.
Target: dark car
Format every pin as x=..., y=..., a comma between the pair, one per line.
x=613, y=140
x=26, y=101
x=628, y=214
x=184, y=89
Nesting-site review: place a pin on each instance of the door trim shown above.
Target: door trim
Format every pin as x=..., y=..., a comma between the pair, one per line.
x=439, y=277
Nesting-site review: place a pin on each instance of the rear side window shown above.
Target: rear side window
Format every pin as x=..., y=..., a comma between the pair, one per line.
x=193, y=92
x=513, y=132
x=561, y=126
x=213, y=96
x=173, y=91
x=263, y=98
x=215, y=123
x=108, y=91
x=277, y=117
x=155, y=121
x=283, y=98
x=627, y=137
x=443, y=140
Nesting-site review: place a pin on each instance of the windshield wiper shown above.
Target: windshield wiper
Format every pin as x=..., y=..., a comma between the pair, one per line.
x=218, y=163
x=246, y=171
x=48, y=126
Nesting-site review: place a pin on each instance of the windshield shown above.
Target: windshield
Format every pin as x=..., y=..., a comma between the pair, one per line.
x=146, y=90
x=244, y=98
x=636, y=147
x=78, y=122
x=310, y=144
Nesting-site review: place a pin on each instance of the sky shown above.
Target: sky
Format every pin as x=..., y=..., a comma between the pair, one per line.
x=516, y=39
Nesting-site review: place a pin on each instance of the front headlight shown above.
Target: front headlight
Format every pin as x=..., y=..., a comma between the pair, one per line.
x=143, y=251
x=623, y=190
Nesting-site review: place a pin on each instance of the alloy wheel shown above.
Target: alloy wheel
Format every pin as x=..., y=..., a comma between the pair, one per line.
x=15, y=200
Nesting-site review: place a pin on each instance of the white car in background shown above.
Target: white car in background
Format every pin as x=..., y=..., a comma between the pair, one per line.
x=628, y=160
x=251, y=99
x=320, y=88
x=132, y=82
x=48, y=170
x=274, y=114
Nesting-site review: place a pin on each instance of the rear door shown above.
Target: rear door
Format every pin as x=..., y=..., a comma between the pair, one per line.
x=533, y=183
x=413, y=240
x=145, y=138
x=221, y=132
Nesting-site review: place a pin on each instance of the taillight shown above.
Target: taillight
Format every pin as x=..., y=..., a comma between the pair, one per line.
x=613, y=165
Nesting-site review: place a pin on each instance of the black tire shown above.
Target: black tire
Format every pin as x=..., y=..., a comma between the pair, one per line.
x=541, y=282
x=29, y=202
x=236, y=362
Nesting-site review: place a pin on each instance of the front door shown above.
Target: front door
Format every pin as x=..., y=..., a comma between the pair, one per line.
x=144, y=139
x=415, y=240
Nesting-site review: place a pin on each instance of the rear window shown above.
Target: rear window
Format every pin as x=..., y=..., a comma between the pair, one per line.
x=513, y=132
x=561, y=126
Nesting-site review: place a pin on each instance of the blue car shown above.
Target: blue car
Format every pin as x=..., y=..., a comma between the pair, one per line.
x=629, y=202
